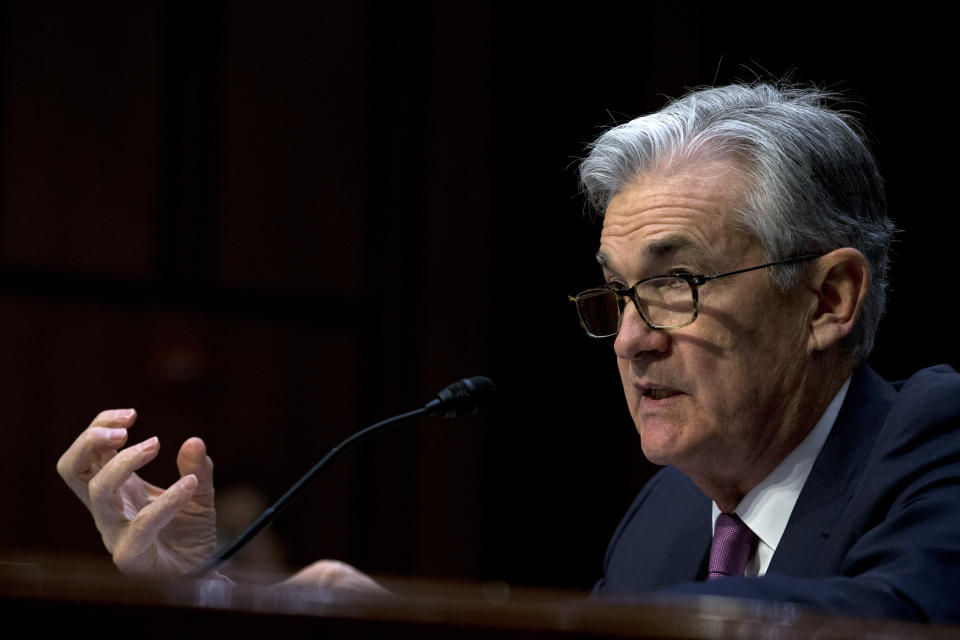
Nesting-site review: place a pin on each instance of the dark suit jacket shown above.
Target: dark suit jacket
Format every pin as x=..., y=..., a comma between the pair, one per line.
x=875, y=531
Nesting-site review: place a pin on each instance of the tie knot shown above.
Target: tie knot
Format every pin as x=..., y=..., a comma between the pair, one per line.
x=733, y=544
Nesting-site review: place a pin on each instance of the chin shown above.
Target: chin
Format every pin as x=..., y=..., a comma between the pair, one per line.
x=658, y=447
x=675, y=439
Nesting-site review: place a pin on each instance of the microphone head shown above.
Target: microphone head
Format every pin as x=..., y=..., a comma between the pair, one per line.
x=463, y=397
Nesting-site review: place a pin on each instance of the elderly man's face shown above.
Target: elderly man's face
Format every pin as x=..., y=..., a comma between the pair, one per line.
x=714, y=397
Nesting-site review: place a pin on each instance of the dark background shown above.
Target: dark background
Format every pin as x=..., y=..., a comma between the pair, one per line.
x=270, y=224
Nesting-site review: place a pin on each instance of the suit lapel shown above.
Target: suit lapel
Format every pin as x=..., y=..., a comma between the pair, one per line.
x=694, y=566
x=690, y=530
x=829, y=488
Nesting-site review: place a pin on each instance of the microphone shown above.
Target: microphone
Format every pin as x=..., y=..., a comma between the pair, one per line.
x=464, y=397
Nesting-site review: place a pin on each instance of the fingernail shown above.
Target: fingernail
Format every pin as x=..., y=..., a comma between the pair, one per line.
x=120, y=414
x=116, y=434
x=150, y=445
x=188, y=482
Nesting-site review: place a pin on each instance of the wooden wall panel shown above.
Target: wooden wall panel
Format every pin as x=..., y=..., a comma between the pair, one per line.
x=78, y=173
x=294, y=144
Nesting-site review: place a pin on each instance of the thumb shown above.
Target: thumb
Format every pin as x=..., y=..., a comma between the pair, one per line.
x=193, y=459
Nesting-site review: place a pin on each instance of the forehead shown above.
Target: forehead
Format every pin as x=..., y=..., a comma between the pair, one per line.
x=688, y=211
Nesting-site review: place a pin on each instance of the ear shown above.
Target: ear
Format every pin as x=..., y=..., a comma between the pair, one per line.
x=839, y=282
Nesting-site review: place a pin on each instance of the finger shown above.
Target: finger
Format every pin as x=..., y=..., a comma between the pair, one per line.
x=87, y=455
x=337, y=575
x=115, y=418
x=193, y=459
x=136, y=551
x=106, y=503
x=114, y=423
x=93, y=448
x=108, y=425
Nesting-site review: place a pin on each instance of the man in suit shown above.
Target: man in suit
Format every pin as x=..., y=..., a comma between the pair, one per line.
x=744, y=250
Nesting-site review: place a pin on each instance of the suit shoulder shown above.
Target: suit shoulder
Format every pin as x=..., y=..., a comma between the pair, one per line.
x=928, y=395
x=669, y=486
x=937, y=379
x=670, y=496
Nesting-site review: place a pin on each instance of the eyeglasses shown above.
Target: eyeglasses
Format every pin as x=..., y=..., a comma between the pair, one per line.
x=664, y=302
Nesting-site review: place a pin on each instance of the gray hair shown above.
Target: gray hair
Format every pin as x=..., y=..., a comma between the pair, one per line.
x=815, y=184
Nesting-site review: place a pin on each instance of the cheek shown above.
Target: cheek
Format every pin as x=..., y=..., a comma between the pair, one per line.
x=778, y=350
x=631, y=394
x=719, y=381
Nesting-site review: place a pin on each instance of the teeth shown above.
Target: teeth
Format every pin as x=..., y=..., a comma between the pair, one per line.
x=660, y=394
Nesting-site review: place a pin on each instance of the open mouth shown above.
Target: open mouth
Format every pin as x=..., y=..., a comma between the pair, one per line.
x=659, y=394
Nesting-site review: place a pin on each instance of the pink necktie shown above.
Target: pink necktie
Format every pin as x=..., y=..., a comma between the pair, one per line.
x=733, y=544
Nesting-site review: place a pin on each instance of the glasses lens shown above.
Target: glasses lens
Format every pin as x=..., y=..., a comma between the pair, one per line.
x=599, y=312
x=667, y=302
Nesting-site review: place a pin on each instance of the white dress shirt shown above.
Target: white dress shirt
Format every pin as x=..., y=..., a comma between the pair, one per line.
x=767, y=507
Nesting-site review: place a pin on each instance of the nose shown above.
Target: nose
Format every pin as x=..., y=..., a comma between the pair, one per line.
x=636, y=337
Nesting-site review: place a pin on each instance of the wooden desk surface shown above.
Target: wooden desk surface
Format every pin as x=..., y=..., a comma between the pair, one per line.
x=87, y=597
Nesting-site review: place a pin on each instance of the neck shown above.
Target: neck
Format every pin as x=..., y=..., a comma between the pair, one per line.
x=794, y=420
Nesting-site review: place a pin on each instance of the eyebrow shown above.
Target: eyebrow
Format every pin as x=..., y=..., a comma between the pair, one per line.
x=660, y=248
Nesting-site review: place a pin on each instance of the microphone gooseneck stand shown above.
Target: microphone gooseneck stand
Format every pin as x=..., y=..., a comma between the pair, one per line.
x=460, y=398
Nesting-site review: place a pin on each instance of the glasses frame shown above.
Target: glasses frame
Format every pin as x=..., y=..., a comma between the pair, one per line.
x=695, y=281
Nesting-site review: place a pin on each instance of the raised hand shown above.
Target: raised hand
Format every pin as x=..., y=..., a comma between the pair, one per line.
x=145, y=528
